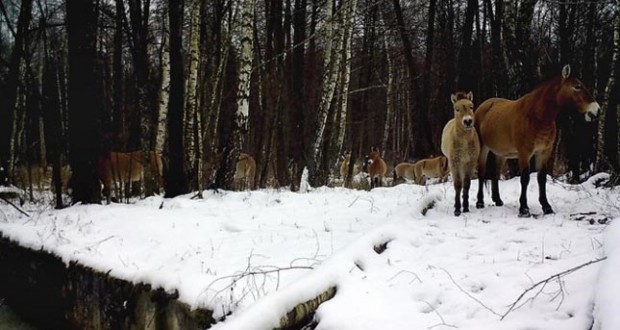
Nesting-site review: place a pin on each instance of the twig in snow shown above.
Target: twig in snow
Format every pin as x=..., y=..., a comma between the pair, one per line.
x=443, y=322
x=416, y=277
x=15, y=206
x=547, y=280
x=469, y=295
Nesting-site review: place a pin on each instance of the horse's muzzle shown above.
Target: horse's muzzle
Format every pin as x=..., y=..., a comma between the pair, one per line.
x=468, y=122
x=592, y=111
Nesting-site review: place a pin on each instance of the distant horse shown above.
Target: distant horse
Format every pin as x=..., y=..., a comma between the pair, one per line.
x=244, y=172
x=526, y=127
x=460, y=144
x=404, y=170
x=344, y=167
x=126, y=168
x=436, y=167
x=376, y=168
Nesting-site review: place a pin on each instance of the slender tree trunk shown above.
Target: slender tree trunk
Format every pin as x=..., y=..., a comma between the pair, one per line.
x=164, y=89
x=348, y=25
x=466, y=72
x=298, y=84
x=119, y=115
x=176, y=183
x=332, y=64
x=389, y=121
x=8, y=102
x=193, y=137
x=84, y=114
x=417, y=118
x=610, y=97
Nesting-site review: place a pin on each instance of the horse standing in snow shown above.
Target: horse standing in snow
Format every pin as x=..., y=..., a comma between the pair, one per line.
x=436, y=167
x=245, y=172
x=460, y=144
x=526, y=127
x=376, y=168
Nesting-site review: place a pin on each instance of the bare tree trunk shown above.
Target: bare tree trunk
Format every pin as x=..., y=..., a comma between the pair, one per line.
x=84, y=114
x=330, y=81
x=118, y=114
x=610, y=97
x=389, y=121
x=164, y=90
x=8, y=102
x=193, y=138
x=176, y=183
x=348, y=25
x=298, y=82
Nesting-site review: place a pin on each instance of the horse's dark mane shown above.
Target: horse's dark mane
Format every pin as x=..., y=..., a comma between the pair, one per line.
x=461, y=95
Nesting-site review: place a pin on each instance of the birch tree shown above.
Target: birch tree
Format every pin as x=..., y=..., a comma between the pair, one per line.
x=164, y=89
x=224, y=176
x=333, y=56
x=192, y=132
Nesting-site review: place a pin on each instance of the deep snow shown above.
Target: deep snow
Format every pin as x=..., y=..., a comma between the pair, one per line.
x=257, y=254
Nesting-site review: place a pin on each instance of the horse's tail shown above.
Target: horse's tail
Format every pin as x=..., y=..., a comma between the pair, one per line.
x=490, y=169
x=394, y=175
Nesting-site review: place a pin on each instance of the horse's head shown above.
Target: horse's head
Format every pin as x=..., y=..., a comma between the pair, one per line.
x=463, y=109
x=374, y=153
x=574, y=94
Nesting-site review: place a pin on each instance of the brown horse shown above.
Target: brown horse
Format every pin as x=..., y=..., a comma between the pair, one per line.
x=526, y=127
x=436, y=167
x=244, y=172
x=460, y=144
x=126, y=167
x=376, y=168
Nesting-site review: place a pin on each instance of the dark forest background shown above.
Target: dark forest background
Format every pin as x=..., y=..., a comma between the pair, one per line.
x=294, y=83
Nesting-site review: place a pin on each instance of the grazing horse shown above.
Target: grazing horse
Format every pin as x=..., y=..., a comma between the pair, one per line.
x=245, y=171
x=526, y=127
x=460, y=144
x=404, y=170
x=376, y=168
x=436, y=167
x=126, y=167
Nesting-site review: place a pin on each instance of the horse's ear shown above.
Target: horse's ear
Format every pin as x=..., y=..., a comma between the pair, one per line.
x=470, y=96
x=566, y=71
x=453, y=98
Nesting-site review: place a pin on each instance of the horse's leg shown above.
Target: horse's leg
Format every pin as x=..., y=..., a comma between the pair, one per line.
x=499, y=164
x=466, y=185
x=482, y=162
x=524, y=166
x=542, y=160
x=458, y=184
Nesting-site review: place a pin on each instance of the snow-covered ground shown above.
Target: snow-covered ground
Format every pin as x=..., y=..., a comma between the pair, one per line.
x=257, y=254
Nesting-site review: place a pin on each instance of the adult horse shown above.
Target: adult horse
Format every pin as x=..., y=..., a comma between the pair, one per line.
x=526, y=127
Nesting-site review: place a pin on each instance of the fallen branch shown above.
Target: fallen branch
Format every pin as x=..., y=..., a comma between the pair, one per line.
x=547, y=280
x=15, y=206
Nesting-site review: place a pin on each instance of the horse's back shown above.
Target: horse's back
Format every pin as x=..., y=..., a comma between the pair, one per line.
x=405, y=170
x=495, y=121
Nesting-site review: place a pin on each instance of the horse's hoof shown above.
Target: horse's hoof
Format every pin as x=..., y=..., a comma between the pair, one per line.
x=498, y=202
x=465, y=209
x=479, y=205
x=547, y=210
x=457, y=213
x=524, y=213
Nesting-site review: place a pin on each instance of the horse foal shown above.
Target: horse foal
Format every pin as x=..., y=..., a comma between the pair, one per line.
x=459, y=143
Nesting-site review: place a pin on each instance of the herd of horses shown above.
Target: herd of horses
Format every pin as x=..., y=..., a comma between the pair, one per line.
x=479, y=142
x=473, y=143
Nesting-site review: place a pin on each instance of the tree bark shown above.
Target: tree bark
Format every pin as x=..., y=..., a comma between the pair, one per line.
x=164, y=89
x=609, y=99
x=85, y=108
x=9, y=101
x=176, y=182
